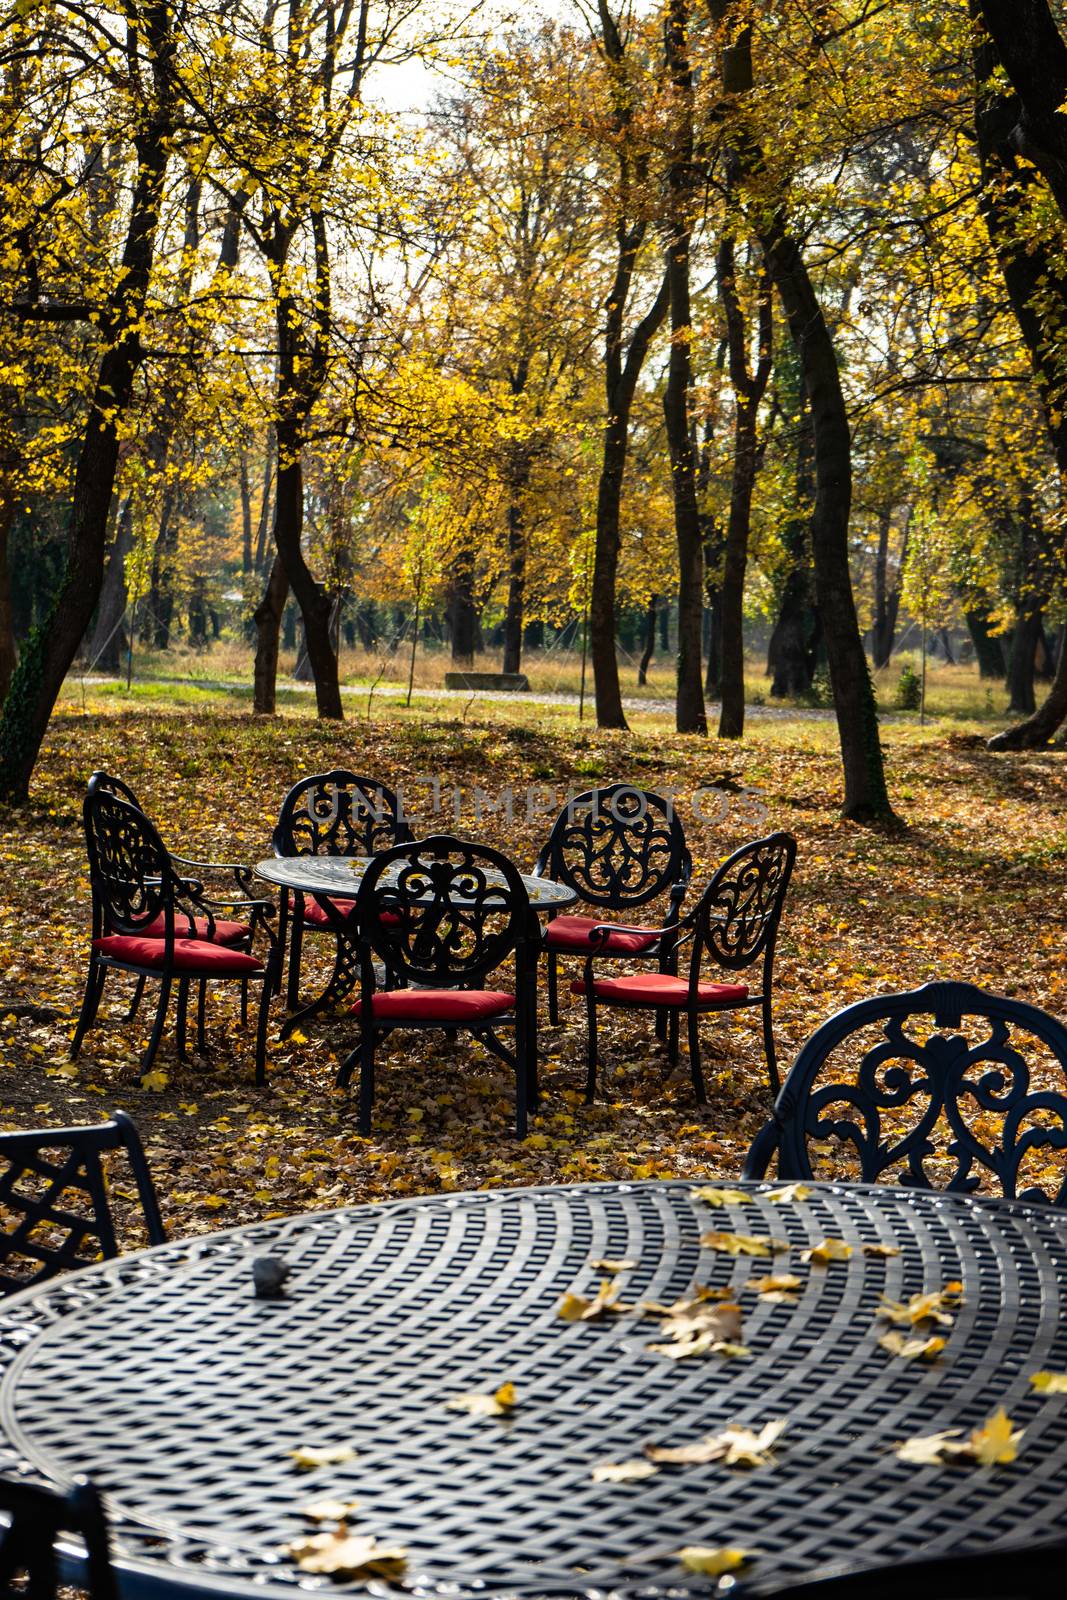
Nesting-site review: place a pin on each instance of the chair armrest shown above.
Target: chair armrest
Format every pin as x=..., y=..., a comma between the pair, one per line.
x=210, y=866
x=761, y=1150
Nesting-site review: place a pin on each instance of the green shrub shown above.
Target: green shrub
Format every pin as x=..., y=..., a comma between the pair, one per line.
x=909, y=688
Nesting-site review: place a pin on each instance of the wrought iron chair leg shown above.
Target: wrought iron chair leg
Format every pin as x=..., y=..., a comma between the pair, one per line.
x=181, y=1017
x=661, y=1022
x=244, y=1000
x=694, y=1058
x=533, y=1087
x=138, y=991
x=672, y=1037
x=157, y=1026
x=94, y=989
x=296, y=949
x=768, y=1046
x=201, y=1003
x=366, y=1078
x=522, y=1074
x=269, y=989
x=344, y=1071
x=553, y=989
x=283, y=938
x=590, y=1047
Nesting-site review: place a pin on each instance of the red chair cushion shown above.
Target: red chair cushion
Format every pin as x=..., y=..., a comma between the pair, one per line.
x=438, y=1005
x=317, y=918
x=660, y=989
x=196, y=928
x=572, y=933
x=190, y=955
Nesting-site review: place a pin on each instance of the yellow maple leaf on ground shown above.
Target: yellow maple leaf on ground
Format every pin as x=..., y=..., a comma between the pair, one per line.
x=829, y=1250
x=576, y=1308
x=741, y=1244
x=309, y=1456
x=348, y=1555
x=497, y=1404
x=156, y=1080
x=714, y=1196
x=712, y=1560
x=622, y=1471
x=1049, y=1382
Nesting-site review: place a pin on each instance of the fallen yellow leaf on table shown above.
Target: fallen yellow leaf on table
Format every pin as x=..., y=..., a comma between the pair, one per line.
x=884, y=1250
x=928, y=1307
x=679, y=1308
x=995, y=1443
x=712, y=1560
x=607, y=1264
x=777, y=1288
x=497, y=1404
x=741, y=1244
x=348, y=1555
x=829, y=1250
x=622, y=1471
x=329, y=1510
x=713, y=1196
x=309, y=1456
x=791, y=1194
x=576, y=1308
x=898, y=1344
x=734, y=1447
x=700, y=1326
x=1049, y=1382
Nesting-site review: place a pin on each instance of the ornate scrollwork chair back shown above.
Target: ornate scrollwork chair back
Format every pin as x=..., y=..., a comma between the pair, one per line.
x=129, y=866
x=442, y=915
x=334, y=813
x=943, y=1087
x=618, y=847
x=36, y=1520
x=54, y=1208
x=736, y=920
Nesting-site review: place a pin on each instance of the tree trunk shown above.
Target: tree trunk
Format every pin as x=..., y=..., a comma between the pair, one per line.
x=246, y=513
x=1026, y=123
x=314, y=602
x=263, y=526
x=517, y=476
x=1022, y=663
x=268, y=620
x=988, y=649
x=52, y=646
x=866, y=797
x=689, y=710
x=302, y=670
x=650, y=641
x=108, y=642
x=8, y=649
x=791, y=650
x=886, y=599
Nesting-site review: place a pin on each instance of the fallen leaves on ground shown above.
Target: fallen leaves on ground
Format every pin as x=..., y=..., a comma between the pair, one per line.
x=348, y=1555
x=497, y=1404
x=309, y=1456
x=735, y=1446
x=742, y=1244
x=995, y=1443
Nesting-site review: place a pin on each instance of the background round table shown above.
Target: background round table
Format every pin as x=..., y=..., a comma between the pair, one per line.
x=164, y=1379
x=336, y=877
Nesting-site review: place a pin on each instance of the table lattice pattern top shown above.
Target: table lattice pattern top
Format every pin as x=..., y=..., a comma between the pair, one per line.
x=164, y=1379
x=341, y=875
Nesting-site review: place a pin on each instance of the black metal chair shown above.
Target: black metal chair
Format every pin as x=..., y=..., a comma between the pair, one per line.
x=54, y=1208
x=33, y=1558
x=444, y=914
x=329, y=814
x=735, y=923
x=238, y=935
x=142, y=910
x=618, y=848
x=1018, y=1572
x=865, y=1105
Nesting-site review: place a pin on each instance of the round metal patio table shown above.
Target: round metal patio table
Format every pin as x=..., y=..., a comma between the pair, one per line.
x=164, y=1379
x=329, y=878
